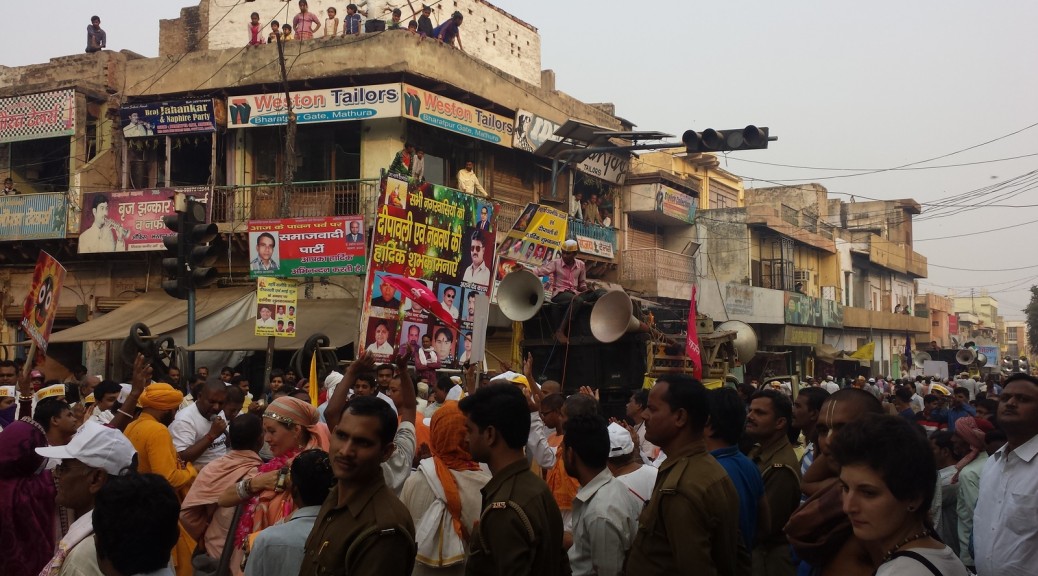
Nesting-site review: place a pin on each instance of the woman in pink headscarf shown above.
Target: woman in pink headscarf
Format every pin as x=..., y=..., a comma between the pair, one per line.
x=290, y=426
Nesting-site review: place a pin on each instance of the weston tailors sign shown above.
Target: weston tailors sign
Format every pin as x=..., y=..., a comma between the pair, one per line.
x=315, y=106
x=435, y=110
x=171, y=117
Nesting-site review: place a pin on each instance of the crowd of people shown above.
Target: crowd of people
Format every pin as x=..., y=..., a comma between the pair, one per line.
x=305, y=25
x=389, y=470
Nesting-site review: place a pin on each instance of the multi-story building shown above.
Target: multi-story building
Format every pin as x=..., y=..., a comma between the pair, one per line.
x=978, y=317
x=939, y=311
x=1016, y=341
x=96, y=127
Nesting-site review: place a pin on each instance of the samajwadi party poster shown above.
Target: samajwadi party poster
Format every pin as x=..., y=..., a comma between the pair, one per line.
x=442, y=238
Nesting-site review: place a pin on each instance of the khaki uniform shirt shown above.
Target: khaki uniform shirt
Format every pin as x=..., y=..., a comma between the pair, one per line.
x=374, y=522
x=522, y=542
x=777, y=462
x=691, y=523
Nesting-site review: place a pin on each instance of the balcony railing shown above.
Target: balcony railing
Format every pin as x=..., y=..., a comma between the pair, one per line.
x=656, y=263
x=507, y=214
x=588, y=230
x=236, y=205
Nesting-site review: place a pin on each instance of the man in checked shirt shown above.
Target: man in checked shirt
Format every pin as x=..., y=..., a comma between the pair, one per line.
x=568, y=285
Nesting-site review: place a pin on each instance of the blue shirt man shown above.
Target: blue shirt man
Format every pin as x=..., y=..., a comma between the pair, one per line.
x=960, y=407
x=749, y=486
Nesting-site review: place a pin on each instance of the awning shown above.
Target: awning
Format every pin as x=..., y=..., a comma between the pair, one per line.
x=335, y=317
x=162, y=314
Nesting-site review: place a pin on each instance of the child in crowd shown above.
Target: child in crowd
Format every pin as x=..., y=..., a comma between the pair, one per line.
x=412, y=27
x=275, y=32
x=255, y=30
x=351, y=24
x=331, y=25
x=286, y=33
x=394, y=21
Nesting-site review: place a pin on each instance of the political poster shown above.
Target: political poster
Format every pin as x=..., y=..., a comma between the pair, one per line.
x=276, y=301
x=536, y=238
x=322, y=246
x=129, y=220
x=33, y=216
x=171, y=117
x=41, y=304
x=434, y=237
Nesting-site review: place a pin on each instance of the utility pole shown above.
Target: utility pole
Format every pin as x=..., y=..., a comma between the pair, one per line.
x=290, y=138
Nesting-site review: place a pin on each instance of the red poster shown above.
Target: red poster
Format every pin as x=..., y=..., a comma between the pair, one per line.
x=692, y=342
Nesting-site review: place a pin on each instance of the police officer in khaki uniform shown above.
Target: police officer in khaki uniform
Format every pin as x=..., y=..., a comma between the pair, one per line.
x=767, y=424
x=691, y=523
x=520, y=528
x=362, y=528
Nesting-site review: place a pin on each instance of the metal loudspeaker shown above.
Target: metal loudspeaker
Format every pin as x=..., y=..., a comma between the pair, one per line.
x=745, y=339
x=919, y=359
x=520, y=295
x=966, y=356
x=613, y=316
x=982, y=359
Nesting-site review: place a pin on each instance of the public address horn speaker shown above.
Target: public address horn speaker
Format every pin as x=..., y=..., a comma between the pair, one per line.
x=745, y=342
x=919, y=359
x=613, y=316
x=966, y=356
x=520, y=295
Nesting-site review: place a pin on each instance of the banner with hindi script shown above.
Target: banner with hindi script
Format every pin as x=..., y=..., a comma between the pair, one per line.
x=276, y=301
x=444, y=240
x=39, y=115
x=129, y=220
x=536, y=237
x=322, y=246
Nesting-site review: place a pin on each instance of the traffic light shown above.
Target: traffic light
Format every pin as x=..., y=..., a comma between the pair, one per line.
x=710, y=140
x=191, y=256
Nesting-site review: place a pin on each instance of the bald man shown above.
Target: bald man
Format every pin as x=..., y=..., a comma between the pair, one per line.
x=198, y=430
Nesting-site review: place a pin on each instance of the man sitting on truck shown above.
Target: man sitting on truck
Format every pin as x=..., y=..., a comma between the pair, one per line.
x=568, y=285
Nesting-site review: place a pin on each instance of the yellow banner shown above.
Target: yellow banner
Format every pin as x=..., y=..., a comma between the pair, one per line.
x=276, y=307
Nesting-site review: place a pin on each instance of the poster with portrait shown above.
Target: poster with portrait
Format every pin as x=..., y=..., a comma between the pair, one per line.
x=443, y=239
x=320, y=246
x=41, y=304
x=276, y=301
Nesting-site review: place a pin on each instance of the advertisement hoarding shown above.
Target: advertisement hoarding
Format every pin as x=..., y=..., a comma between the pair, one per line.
x=322, y=246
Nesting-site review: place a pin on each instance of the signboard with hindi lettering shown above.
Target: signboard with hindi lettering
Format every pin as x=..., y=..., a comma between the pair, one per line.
x=315, y=106
x=442, y=238
x=322, y=246
x=435, y=110
x=40, y=115
x=129, y=220
x=33, y=216
x=171, y=117
x=276, y=301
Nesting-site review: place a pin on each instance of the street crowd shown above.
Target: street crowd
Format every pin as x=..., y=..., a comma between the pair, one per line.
x=379, y=470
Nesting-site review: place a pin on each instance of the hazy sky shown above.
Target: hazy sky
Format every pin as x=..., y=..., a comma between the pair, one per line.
x=848, y=86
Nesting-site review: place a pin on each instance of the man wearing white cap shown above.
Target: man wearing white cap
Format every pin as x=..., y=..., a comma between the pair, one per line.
x=94, y=453
x=568, y=286
x=830, y=385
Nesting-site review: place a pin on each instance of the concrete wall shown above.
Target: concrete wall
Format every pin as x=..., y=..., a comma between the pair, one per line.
x=345, y=60
x=809, y=198
x=724, y=253
x=488, y=33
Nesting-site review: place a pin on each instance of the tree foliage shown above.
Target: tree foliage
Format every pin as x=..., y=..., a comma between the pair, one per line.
x=1032, y=320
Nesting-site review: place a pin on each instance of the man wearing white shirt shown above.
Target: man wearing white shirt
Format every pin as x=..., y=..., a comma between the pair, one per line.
x=477, y=272
x=1005, y=520
x=265, y=320
x=198, y=430
x=468, y=181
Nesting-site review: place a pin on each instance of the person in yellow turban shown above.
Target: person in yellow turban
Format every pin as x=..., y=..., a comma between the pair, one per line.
x=150, y=437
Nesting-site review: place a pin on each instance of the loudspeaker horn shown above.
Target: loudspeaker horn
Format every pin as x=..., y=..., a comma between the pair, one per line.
x=982, y=359
x=745, y=339
x=966, y=356
x=613, y=316
x=920, y=358
x=520, y=295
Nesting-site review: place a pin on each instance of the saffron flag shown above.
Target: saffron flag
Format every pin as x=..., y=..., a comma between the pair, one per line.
x=314, y=388
x=692, y=341
x=425, y=297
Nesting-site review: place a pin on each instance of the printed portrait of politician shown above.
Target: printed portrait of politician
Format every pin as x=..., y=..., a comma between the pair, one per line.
x=448, y=297
x=264, y=251
x=443, y=344
x=465, y=348
x=380, y=334
x=478, y=272
x=355, y=234
x=524, y=220
x=483, y=217
x=384, y=294
x=103, y=234
x=468, y=310
x=265, y=316
x=411, y=335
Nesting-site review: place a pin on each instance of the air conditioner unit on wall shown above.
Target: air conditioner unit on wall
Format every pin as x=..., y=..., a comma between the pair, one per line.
x=804, y=276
